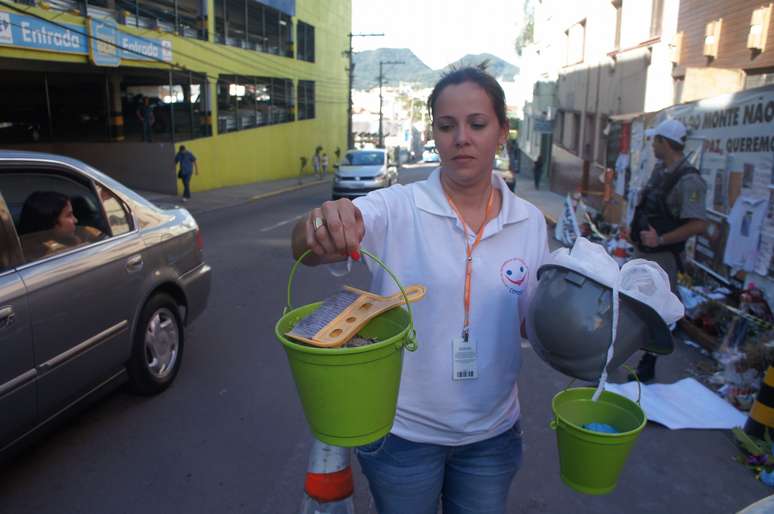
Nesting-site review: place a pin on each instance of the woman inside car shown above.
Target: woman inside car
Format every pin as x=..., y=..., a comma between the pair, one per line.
x=47, y=226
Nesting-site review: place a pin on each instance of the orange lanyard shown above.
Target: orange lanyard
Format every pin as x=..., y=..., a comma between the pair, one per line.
x=469, y=253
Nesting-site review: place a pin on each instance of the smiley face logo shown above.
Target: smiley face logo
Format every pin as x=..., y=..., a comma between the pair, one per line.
x=514, y=274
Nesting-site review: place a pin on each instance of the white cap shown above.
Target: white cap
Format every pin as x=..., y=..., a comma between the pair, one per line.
x=669, y=129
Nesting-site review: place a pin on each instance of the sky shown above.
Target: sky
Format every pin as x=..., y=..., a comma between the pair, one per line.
x=439, y=31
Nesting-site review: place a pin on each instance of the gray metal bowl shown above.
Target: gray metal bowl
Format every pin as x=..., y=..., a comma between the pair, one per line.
x=570, y=319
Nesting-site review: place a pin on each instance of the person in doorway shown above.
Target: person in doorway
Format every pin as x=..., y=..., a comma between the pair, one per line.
x=147, y=118
x=477, y=248
x=187, y=162
x=537, y=170
x=671, y=209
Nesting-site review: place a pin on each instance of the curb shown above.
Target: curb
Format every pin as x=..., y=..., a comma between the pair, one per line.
x=285, y=190
x=255, y=198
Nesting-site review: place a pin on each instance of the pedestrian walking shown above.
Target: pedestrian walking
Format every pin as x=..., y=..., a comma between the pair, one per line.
x=537, y=170
x=317, y=161
x=187, y=162
x=477, y=247
x=670, y=210
x=147, y=118
x=325, y=164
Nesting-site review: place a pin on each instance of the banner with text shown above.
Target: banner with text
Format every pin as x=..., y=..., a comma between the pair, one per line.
x=104, y=43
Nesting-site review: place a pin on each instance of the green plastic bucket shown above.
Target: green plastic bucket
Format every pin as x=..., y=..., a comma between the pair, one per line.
x=590, y=462
x=349, y=395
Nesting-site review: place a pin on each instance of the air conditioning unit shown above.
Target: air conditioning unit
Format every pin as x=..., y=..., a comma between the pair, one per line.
x=712, y=38
x=676, y=47
x=759, y=28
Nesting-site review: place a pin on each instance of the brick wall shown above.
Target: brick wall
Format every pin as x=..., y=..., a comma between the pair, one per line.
x=732, y=51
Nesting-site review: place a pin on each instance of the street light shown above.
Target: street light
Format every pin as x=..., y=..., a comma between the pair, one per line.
x=350, y=138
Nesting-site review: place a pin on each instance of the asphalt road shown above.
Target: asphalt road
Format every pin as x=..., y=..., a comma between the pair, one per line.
x=230, y=436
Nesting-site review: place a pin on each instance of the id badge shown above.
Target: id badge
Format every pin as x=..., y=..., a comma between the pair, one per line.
x=464, y=359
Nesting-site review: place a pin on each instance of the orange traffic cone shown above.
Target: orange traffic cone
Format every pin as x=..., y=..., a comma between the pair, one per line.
x=328, y=488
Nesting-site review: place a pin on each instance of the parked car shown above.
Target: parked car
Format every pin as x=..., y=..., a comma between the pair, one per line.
x=86, y=309
x=362, y=171
x=430, y=153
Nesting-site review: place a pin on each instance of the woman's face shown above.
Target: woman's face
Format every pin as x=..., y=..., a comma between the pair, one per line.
x=65, y=223
x=467, y=132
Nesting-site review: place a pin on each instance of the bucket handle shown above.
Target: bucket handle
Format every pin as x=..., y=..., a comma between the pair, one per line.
x=411, y=338
x=553, y=423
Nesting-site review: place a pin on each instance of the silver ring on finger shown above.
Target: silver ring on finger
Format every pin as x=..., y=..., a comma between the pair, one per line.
x=318, y=222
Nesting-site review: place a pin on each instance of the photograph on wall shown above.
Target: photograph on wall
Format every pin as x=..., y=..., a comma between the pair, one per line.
x=709, y=247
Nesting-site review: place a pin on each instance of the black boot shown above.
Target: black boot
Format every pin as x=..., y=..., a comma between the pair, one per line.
x=646, y=369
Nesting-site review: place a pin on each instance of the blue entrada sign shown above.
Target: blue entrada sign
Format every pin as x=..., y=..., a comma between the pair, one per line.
x=104, y=43
x=29, y=32
x=136, y=48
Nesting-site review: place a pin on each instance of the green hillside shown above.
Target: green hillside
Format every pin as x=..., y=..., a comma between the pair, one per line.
x=414, y=70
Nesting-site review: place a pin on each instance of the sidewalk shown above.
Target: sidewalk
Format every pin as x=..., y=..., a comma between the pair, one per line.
x=213, y=199
x=550, y=204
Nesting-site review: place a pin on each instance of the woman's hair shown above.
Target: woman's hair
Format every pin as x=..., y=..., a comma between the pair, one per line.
x=479, y=76
x=41, y=211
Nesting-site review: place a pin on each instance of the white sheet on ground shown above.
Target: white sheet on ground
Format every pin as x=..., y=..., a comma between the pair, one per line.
x=684, y=404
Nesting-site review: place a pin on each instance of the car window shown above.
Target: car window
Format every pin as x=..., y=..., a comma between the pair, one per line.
x=364, y=158
x=52, y=212
x=118, y=217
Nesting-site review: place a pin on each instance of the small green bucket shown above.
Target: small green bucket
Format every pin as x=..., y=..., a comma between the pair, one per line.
x=349, y=395
x=590, y=462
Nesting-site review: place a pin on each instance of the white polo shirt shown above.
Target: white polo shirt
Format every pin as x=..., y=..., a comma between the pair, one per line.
x=415, y=231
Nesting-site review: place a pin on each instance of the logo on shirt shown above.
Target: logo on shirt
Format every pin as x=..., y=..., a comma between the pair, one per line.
x=514, y=274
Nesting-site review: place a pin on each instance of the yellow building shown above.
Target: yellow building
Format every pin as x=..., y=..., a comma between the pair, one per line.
x=249, y=87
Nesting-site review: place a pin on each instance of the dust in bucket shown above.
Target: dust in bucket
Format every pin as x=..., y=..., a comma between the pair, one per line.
x=590, y=462
x=349, y=395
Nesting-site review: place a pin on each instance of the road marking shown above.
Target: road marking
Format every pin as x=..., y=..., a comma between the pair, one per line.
x=281, y=223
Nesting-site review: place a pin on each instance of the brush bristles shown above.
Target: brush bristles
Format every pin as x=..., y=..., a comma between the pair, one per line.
x=326, y=313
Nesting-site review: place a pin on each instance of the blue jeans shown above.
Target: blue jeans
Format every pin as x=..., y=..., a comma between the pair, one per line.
x=186, y=185
x=409, y=478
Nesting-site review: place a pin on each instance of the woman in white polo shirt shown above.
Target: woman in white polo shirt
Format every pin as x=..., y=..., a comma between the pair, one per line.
x=477, y=248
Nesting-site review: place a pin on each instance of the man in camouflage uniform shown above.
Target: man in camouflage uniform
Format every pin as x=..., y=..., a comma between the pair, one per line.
x=671, y=210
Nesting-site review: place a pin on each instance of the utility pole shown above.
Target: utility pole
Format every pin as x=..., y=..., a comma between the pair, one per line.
x=351, y=70
x=381, y=79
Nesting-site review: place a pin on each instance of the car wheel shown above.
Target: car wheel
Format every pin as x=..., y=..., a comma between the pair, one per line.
x=157, y=349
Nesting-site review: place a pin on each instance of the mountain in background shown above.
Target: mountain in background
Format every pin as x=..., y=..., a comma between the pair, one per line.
x=414, y=70
x=367, y=67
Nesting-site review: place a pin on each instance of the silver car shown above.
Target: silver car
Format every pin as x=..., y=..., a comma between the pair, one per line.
x=99, y=298
x=362, y=171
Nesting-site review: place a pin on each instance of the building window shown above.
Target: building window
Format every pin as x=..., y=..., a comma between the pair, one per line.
x=575, y=38
x=559, y=127
x=573, y=135
x=656, y=16
x=183, y=17
x=252, y=25
x=305, y=37
x=305, y=99
x=248, y=102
